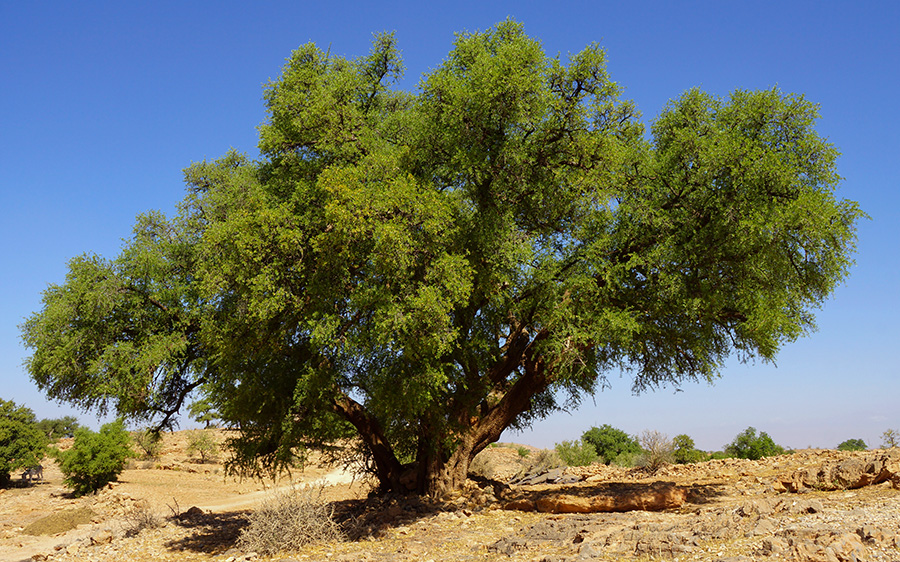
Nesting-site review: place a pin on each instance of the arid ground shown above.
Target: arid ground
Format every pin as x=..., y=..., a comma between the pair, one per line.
x=810, y=505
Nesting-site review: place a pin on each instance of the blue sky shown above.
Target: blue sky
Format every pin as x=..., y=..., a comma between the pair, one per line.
x=103, y=104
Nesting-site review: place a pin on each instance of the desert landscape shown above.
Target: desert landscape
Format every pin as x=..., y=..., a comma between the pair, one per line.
x=810, y=505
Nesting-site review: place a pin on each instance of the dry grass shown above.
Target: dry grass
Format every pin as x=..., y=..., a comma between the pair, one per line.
x=289, y=521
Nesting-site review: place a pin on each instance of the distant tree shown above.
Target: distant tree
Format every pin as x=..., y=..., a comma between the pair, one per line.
x=22, y=444
x=685, y=451
x=610, y=442
x=749, y=445
x=202, y=442
x=853, y=445
x=56, y=429
x=95, y=459
x=890, y=438
x=423, y=271
x=204, y=412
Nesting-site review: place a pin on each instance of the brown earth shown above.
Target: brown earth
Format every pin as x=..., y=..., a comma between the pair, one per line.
x=177, y=509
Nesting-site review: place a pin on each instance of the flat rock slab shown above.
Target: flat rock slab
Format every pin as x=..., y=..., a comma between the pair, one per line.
x=655, y=496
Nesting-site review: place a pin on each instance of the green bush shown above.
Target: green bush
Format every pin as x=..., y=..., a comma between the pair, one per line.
x=22, y=444
x=749, y=445
x=890, y=438
x=685, y=451
x=611, y=443
x=853, y=445
x=95, y=459
x=201, y=441
x=576, y=453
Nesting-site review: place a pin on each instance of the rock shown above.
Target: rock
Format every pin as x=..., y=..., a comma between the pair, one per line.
x=519, y=505
x=656, y=497
x=849, y=473
x=102, y=537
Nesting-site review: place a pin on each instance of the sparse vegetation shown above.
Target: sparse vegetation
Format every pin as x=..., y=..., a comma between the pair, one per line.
x=141, y=517
x=853, y=445
x=289, y=521
x=577, y=453
x=149, y=442
x=749, y=445
x=890, y=438
x=658, y=449
x=95, y=459
x=613, y=445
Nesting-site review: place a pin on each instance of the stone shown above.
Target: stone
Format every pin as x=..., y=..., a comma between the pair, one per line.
x=656, y=497
x=102, y=537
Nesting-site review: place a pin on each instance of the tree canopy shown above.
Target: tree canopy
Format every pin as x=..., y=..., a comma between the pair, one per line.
x=424, y=270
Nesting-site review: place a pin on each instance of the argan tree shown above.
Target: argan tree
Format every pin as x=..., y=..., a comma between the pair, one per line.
x=425, y=270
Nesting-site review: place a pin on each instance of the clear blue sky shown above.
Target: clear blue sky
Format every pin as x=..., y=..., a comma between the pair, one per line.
x=102, y=104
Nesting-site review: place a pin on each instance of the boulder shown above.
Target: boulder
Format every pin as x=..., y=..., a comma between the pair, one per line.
x=655, y=497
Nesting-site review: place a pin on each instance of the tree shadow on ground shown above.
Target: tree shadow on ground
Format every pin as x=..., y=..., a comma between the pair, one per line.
x=213, y=533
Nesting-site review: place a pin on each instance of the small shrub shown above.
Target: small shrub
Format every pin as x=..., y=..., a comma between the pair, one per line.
x=203, y=443
x=685, y=452
x=544, y=460
x=749, y=445
x=149, y=442
x=890, y=438
x=853, y=445
x=95, y=459
x=658, y=449
x=576, y=453
x=627, y=460
x=610, y=443
x=289, y=521
x=523, y=452
x=141, y=517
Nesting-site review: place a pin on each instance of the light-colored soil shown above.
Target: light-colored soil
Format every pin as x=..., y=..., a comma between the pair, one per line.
x=720, y=520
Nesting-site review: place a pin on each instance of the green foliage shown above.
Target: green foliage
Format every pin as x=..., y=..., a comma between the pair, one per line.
x=56, y=429
x=424, y=270
x=22, y=444
x=203, y=443
x=853, y=445
x=95, y=459
x=612, y=444
x=576, y=453
x=149, y=442
x=890, y=438
x=523, y=451
x=749, y=445
x=203, y=411
x=685, y=451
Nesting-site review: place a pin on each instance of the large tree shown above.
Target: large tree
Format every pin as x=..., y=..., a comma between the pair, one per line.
x=424, y=270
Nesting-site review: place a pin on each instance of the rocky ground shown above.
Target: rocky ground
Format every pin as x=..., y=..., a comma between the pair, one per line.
x=811, y=505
